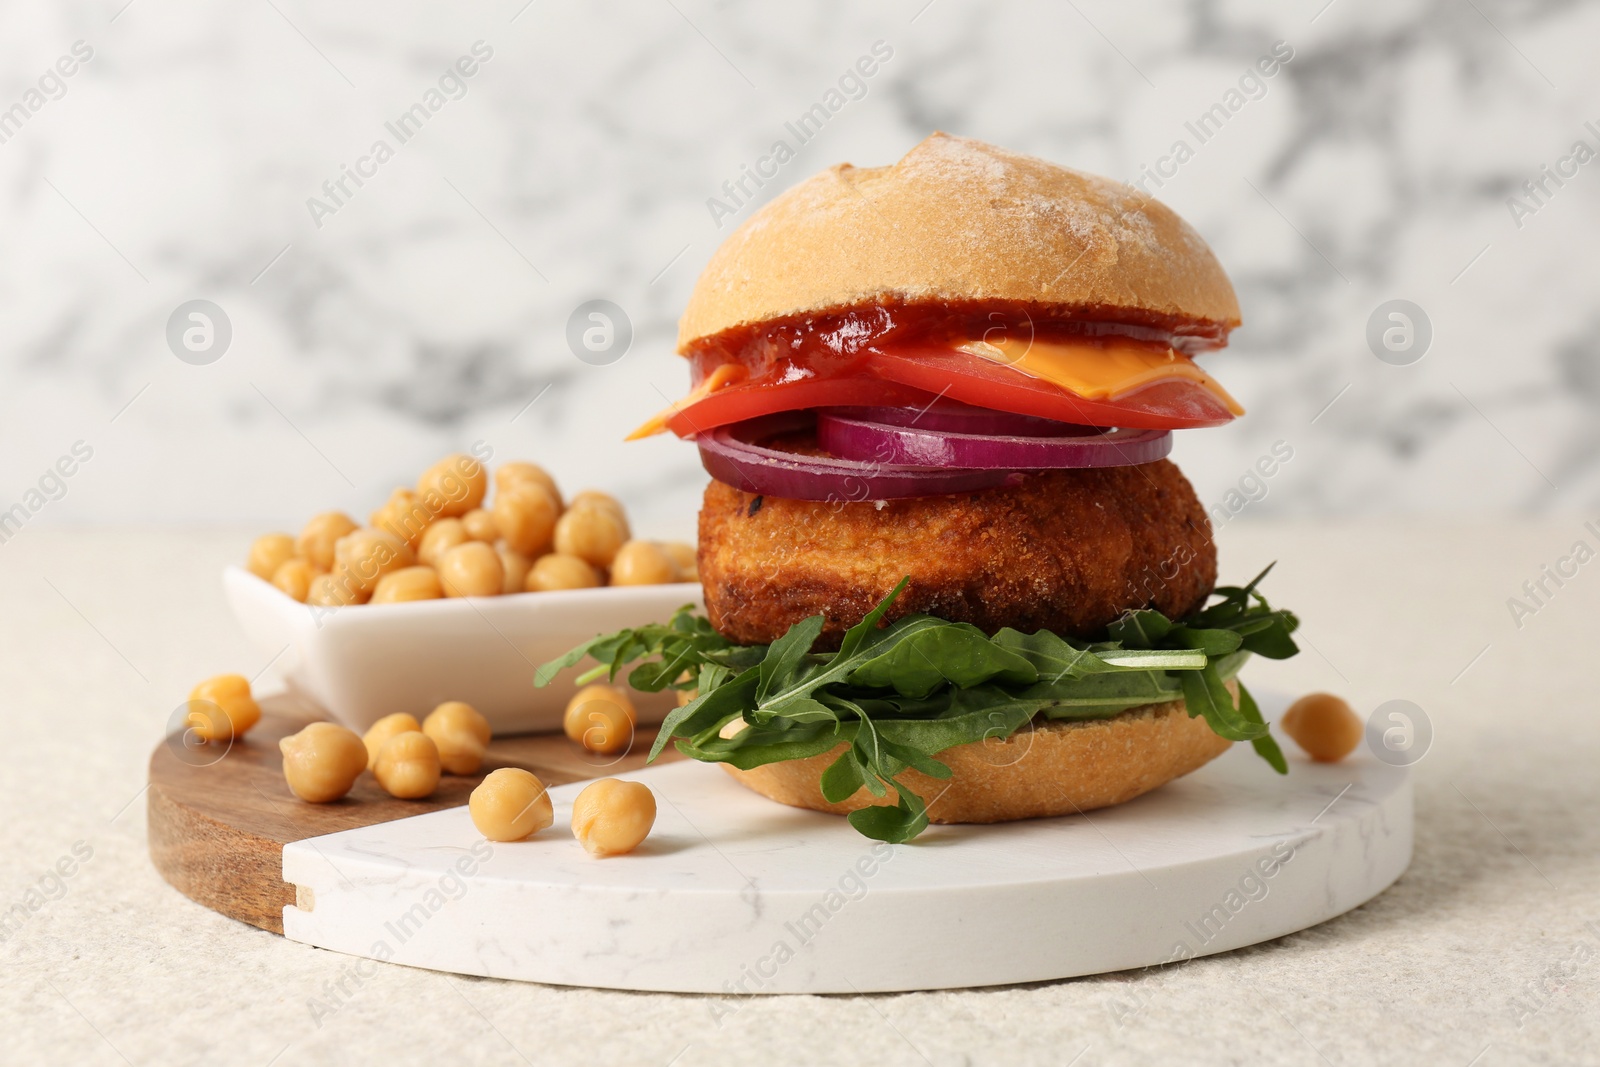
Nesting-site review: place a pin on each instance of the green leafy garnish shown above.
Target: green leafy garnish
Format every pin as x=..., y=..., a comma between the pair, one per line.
x=896, y=696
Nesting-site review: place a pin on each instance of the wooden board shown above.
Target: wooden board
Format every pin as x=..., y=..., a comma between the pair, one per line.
x=219, y=816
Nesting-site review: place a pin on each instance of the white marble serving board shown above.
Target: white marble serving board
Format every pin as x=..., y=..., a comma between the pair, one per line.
x=735, y=894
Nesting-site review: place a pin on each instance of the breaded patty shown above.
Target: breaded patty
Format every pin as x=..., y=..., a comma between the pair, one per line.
x=1067, y=551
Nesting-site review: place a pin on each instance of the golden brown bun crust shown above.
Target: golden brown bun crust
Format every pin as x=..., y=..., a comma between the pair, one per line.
x=1066, y=551
x=960, y=220
x=1050, y=768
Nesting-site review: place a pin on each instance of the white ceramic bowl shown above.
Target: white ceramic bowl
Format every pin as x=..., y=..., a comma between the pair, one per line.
x=363, y=662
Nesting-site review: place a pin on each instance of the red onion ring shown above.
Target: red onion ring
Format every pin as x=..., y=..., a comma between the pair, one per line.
x=851, y=437
x=955, y=417
x=732, y=455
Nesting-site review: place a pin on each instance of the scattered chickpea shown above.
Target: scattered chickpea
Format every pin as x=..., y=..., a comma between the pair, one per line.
x=509, y=474
x=385, y=730
x=319, y=535
x=471, y=569
x=611, y=817
x=407, y=584
x=294, y=577
x=510, y=804
x=526, y=515
x=408, y=766
x=334, y=590
x=684, y=558
x=322, y=761
x=516, y=567
x=453, y=486
x=642, y=563
x=461, y=734
x=480, y=525
x=594, y=498
x=404, y=516
x=440, y=538
x=222, y=708
x=1324, y=726
x=269, y=552
x=558, y=571
x=367, y=554
x=601, y=718
x=592, y=533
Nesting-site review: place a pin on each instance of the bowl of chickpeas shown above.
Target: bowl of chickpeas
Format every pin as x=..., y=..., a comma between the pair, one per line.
x=456, y=589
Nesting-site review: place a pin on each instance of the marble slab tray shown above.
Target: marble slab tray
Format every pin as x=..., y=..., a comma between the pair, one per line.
x=735, y=894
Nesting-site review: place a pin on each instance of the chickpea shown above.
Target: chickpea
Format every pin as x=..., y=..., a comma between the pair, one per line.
x=453, y=486
x=611, y=817
x=591, y=533
x=526, y=516
x=510, y=804
x=408, y=766
x=222, y=708
x=322, y=761
x=601, y=718
x=516, y=567
x=509, y=474
x=594, y=498
x=334, y=589
x=294, y=577
x=684, y=558
x=1324, y=726
x=557, y=571
x=642, y=563
x=385, y=730
x=269, y=552
x=461, y=734
x=404, y=516
x=440, y=538
x=480, y=525
x=408, y=584
x=366, y=555
x=472, y=569
x=317, y=538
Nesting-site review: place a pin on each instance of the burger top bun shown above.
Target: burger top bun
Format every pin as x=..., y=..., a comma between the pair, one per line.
x=958, y=220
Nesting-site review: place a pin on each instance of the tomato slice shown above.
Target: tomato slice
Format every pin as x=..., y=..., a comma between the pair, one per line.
x=917, y=375
x=1174, y=404
x=747, y=401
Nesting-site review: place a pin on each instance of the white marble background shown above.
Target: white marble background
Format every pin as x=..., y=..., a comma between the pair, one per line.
x=430, y=310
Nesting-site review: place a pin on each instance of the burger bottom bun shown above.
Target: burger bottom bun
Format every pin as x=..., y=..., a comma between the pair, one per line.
x=1046, y=768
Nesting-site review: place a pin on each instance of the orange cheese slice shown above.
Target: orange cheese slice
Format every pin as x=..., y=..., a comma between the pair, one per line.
x=1103, y=369
x=725, y=375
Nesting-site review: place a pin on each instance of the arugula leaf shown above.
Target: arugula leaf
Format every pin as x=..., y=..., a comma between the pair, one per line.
x=787, y=657
x=927, y=659
x=837, y=667
x=773, y=743
x=859, y=634
x=843, y=778
x=709, y=711
x=1052, y=657
x=1211, y=642
x=1204, y=694
x=1266, y=746
x=1140, y=629
x=897, y=824
x=896, y=695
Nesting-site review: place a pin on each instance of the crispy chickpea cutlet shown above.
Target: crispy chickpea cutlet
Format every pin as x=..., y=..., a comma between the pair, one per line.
x=1067, y=551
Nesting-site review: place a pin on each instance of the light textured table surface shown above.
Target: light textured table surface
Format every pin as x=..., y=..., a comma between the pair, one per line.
x=1486, y=952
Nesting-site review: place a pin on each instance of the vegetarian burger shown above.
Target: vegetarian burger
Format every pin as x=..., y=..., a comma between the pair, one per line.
x=949, y=575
